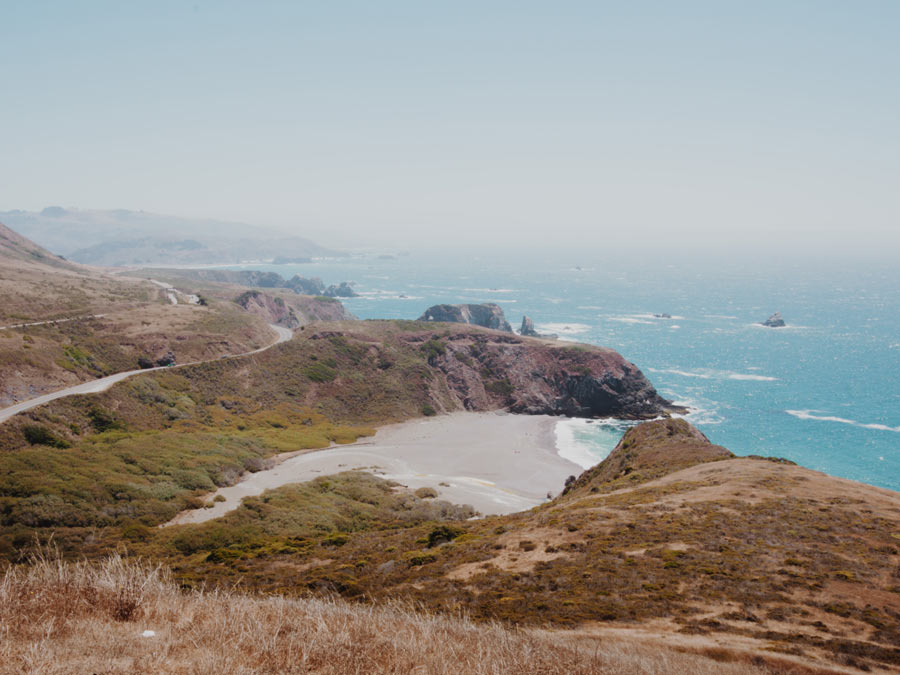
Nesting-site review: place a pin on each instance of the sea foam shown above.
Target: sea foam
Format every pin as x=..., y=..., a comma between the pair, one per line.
x=808, y=415
x=710, y=374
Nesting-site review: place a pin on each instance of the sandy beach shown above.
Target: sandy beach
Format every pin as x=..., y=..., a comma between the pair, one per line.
x=497, y=462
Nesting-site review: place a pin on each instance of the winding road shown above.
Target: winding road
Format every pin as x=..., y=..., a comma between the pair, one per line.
x=104, y=383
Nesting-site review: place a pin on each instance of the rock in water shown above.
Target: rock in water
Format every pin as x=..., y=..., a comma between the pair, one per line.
x=487, y=315
x=298, y=284
x=342, y=290
x=774, y=321
x=527, y=328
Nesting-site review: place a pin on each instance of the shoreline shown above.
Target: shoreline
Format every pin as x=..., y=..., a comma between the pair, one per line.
x=497, y=462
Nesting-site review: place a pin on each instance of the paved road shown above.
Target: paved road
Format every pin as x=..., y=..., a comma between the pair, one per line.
x=104, y=383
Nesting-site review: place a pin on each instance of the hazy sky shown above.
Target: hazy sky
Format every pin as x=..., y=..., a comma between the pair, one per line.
x=590, y=123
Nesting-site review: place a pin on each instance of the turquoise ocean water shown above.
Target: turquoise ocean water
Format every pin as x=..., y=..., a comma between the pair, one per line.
x=824, y=392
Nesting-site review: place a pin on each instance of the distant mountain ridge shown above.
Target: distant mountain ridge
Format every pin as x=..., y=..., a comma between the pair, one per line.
x=123, y=237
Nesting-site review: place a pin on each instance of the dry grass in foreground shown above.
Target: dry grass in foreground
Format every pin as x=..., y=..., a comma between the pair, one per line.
x=58, y=617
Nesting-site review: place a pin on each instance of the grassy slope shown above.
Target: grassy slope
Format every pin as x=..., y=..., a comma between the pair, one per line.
x=90, y=618
x=767, y=555
x=137, y=321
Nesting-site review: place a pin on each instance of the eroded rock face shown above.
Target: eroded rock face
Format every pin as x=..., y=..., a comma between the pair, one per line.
x=304, y=286
x=527, y=328
x=341, y=290
x=487, y=315
x=488, y=371
x=272, y=309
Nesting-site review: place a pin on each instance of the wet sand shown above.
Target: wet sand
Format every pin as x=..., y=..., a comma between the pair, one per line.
x=497, y=462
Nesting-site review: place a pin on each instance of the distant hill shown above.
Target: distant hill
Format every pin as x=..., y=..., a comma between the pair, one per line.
x=14, y=246
x=122, y=237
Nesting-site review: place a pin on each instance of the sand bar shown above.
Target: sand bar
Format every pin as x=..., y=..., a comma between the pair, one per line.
x=497, y=462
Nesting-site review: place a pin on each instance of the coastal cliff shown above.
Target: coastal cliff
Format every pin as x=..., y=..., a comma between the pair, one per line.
x=487, y=370
x=486, y=315
x=293, y=311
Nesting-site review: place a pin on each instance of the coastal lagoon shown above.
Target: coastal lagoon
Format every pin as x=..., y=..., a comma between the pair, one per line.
x=823, y=391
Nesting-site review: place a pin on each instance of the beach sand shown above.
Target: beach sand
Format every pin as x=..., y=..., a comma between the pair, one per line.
x=497, y=462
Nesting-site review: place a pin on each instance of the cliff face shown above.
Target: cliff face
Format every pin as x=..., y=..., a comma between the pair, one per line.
x=296, y=311
x=273, y=310
x=488, y=371
x=487, y=315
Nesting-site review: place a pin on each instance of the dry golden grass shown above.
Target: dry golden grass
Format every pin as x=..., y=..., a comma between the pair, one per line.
x=58, y=617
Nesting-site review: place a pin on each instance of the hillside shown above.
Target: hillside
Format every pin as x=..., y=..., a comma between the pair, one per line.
x=673, y=545
x=62, y=323
x=123, y=237
x=116, y=617
x=717, y=554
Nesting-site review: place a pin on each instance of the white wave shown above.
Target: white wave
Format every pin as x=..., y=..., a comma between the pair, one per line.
x=598, y=438
x=490, y=290
x=674, y=326
x=896, y=345
x=630, y=319
x=656, y=317
x=594, y=307
x=709, y=374
x=696, y=414
x=808, y=415
x=719, y=316
x=568, y=446
x=562, y=328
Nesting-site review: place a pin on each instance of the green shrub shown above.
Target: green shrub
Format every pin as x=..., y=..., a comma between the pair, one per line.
x=428, y=410
x=35, y=434
x=426, y=493
x=417, y=559
x=102, y=420
x=442, y=534
x=433, y=348
x=319, y=372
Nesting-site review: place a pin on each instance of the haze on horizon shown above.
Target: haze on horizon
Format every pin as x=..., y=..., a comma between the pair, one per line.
x=697, y=126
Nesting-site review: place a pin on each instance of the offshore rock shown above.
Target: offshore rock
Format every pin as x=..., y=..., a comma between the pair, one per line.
x=487, y=315
x=527, y=328
x=304, y=286
x=342, y=290
x=774, y=321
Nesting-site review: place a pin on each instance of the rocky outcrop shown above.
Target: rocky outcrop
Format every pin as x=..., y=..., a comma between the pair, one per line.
x=320, y=308
x=341, y=290
x=272, y=309
x=774, y=321
x=527, y=328
x=311, y=286
x=487, y=315
x=488, y=371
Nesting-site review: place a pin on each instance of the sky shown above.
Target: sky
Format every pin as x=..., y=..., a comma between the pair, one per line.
x=721, y=126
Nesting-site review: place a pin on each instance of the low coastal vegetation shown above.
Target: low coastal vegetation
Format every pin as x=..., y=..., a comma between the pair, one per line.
x=750, y=564
x=115, y=616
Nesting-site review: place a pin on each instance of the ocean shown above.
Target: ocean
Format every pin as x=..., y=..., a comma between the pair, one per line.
x=823, y=391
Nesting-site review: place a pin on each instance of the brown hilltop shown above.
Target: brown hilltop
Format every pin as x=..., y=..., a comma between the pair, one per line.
x=671, y=540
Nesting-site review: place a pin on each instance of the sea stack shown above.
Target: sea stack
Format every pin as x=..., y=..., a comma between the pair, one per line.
x=527, y=328
x=774, y=321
